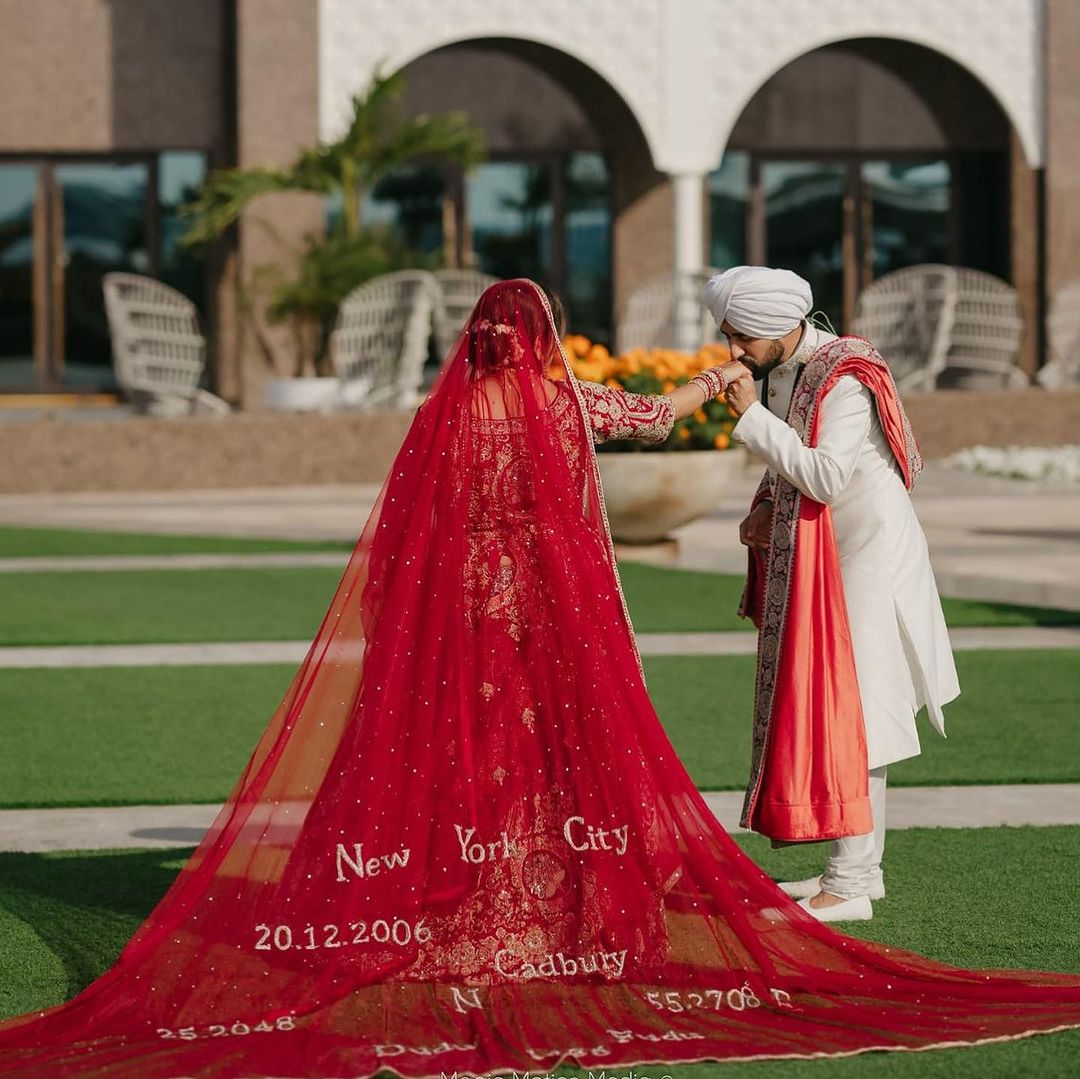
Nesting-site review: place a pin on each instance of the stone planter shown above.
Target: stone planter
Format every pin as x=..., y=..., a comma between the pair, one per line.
x=302, y=394
x=648, y=494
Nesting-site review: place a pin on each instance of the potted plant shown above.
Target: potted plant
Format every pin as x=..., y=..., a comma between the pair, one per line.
x=651, y=489
x=304, y=290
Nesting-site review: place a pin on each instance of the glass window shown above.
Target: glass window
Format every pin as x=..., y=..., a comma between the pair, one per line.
x=906, y=209
x=410, y=202
x=18, y=184
x=804, y=226
x=104, y=229
x=180, y=175
x=587, y=283
x=729, y=194
x=510, y=214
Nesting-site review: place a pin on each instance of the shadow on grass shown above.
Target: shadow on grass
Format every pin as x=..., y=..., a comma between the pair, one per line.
x=84, y=906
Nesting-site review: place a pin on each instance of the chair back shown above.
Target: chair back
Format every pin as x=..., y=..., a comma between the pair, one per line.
x=456, y=296
x=157, y=346
x=379, y=342
x=667, y=312
x=908, y=315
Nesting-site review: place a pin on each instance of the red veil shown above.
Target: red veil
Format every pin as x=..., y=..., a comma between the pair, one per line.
x=464, y=841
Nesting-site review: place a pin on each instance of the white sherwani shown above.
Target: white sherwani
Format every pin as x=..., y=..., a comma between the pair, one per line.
x=903, y=658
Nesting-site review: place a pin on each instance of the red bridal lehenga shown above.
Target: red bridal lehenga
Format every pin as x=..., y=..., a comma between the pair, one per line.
x=464, y=842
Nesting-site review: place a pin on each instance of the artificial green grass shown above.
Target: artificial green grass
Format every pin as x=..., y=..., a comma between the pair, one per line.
x=665, y=600
x=18, y=542
x=124, y=736
x=115, y=736
x=65, y=917
x=1014, y=721
x=163, y=606
x=134, y=606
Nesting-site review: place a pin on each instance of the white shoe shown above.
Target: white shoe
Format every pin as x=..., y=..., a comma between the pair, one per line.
x=858, y=909
x=803, y=889
x=800, y=889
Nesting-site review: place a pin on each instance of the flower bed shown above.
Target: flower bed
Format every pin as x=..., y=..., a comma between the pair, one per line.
x=1055, y=464
x=657, y=370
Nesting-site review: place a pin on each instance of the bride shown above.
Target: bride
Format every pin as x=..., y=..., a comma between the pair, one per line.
x=464, y=842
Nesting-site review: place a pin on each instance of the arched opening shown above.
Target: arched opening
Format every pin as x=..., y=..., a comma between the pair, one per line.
x=860, y=158
x=566, y=160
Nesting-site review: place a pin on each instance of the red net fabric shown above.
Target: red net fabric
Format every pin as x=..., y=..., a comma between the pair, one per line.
x=464, y=841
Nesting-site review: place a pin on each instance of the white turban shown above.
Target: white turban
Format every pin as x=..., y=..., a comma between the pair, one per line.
x=758, y=301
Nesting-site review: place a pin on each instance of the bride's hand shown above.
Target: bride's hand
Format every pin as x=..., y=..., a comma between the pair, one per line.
x=733, y=370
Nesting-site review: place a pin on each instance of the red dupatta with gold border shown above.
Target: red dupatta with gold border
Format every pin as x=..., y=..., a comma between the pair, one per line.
x=808, y=773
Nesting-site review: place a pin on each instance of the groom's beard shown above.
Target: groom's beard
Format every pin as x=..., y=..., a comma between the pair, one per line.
x=760, y=368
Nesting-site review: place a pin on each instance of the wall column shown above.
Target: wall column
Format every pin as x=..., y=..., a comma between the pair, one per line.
x=276, y=119
x=1062, y=179
x=689, y=191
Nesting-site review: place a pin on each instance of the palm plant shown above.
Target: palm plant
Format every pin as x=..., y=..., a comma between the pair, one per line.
x=381, y=138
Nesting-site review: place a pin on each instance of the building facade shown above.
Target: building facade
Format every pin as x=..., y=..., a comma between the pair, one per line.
x=842, y=138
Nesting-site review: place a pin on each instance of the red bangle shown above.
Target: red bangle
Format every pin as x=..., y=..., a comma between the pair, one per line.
x=711, y=382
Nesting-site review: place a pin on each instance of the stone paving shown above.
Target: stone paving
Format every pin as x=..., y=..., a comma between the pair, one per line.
x=1012, y=541
x=120, y=827
x=226, y=653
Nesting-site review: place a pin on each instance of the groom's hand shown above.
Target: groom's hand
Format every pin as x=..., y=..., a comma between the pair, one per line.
x=740, y=395
x=755, y=529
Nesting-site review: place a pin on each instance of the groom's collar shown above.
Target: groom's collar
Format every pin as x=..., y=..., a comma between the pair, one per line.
x=812, y=339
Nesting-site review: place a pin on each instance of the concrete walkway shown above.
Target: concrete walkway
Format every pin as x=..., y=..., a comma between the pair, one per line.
x=224, y=654
x=990, y=538
x=34, y=830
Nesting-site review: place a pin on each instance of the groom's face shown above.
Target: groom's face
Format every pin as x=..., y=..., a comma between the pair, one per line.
x=759, y=354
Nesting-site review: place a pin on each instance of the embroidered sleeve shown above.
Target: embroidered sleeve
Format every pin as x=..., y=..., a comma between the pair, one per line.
x=619, y=414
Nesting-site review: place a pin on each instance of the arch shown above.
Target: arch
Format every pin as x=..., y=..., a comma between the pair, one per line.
x=349, y=53
x=740, y=94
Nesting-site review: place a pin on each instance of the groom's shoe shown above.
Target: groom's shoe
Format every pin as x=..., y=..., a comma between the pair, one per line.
x=800, y=889
x=849, y=910
x=803, y=889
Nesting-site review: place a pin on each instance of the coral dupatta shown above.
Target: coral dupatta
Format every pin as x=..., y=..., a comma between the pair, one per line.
x=808, y=778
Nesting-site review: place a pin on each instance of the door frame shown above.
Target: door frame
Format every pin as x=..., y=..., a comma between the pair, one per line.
x=49, y=257
x=856, y=220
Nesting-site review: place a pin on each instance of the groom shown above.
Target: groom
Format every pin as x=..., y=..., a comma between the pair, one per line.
x=852, y=641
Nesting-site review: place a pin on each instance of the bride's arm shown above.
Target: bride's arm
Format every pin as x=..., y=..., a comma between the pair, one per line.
x=617, y=414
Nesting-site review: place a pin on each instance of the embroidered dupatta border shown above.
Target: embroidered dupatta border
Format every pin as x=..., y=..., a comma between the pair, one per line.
x=821, y=366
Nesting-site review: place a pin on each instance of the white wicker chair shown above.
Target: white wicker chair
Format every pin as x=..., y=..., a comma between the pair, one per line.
x=1063, y=339
x=379, y=342
x=986, y=333
x=158, y=350
x=458, y=291
x=667, y=312
x=908, y=315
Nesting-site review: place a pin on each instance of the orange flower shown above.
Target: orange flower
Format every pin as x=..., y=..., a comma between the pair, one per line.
x=669, y=386
x=700, y=414
x=684, y=434
x=722, y=441
x=614, y=383
x=577, y=344
x=590, y=372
